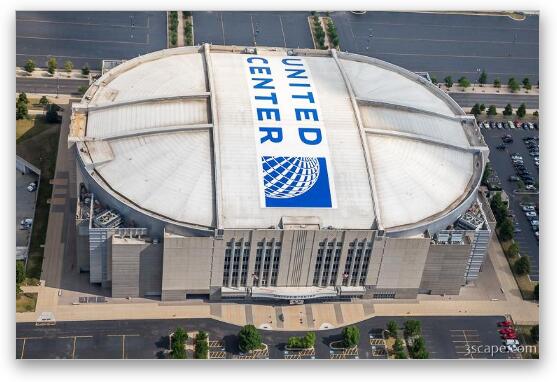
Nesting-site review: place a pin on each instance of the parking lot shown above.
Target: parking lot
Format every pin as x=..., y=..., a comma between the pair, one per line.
x=148, y=339
x=445, y=44
x=502, y=164
x=87, y=37
x=284, y=29
x=25, y=206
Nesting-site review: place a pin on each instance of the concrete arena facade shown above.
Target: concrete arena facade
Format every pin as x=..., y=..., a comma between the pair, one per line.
x=203, y=238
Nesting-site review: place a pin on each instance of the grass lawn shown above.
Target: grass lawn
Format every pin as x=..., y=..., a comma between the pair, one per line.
x=25, y=302
x=39, y=146
x=28, y=128
x=525, y=285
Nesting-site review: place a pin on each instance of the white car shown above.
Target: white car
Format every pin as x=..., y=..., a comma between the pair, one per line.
x=535, y=223
x=511, y=124
x=32, y=186
x=26, y=223
x=528, y=208
x=531, y=214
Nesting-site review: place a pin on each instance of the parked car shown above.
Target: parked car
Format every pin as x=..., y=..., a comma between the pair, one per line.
x=32, y=186
x=511, y=124
x=26, y=223
x=530, y=187
x=513, y=178
x=505, y=324
x=535, y=223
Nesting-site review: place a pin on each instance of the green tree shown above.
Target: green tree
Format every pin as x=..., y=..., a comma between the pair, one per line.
x=482, y=80
x=392, y=328
x=526, y=83
x=506, y=230
x=30, y=66
x=492, y=110
x=513, y=84
x=498, y=207
x=19, y=275
x=52, y=65
x=433, y=80
x=486, y=174
x=398, y=346
x=68, y=66
x=476, y=109
x=85, y=70
x=21, y=111
x=448, y=81
x=43, y=101
x=522, y=265
x=249, y=338
x=23, y=98
x=400, y=355
x=537, y=292
x=178, y=348
x=513, y=250
x=497, y=83
x=535, y=333
x=412, y=328
x=201, y=346
x=463, y=82
x=508, y=110
x=421, y=354
x=51, y=115
x=536, y=114
x=482, y=107
x=521, y=111
x=351, y=336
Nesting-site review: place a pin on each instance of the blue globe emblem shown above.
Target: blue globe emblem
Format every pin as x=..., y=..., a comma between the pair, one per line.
x=288, y=177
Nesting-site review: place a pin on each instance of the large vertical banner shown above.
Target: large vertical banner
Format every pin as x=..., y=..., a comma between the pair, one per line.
x=292, y=149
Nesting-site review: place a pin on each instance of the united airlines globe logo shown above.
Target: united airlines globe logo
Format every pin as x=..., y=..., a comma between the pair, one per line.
x=289, y=177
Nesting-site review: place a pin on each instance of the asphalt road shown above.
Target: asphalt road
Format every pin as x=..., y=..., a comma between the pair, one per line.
x=49, y=85
x=444, y=44
x=499, y=100
x=87, y=37
x=502, y=164
x=446, y=337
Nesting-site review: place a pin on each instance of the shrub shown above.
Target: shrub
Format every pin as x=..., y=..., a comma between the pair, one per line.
x=305, y=342
x=497, y=83
x=68, y=66
x=508, y=110
x=44, y=101
x=448, y=81
x=492, y=110
x=332, y=33
x=21, y=111
x=464, y=82
x=513, y=250
x=476, y=109
x=85, y=70
x=506, y=230
x=522, y=266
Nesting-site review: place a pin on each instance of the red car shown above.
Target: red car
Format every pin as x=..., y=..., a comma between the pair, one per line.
x=506, y=331
x=512, y=336
x=505, y=324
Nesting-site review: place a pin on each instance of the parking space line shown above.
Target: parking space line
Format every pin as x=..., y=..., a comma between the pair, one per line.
x=282, y=30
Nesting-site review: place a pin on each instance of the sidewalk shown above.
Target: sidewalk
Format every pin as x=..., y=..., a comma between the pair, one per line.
x=60, y=73
x=488, y=89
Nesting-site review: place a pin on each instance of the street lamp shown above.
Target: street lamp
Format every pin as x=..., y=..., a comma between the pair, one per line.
x=478, y=79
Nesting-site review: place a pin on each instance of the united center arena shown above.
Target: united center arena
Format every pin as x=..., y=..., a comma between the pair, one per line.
x=274, y=174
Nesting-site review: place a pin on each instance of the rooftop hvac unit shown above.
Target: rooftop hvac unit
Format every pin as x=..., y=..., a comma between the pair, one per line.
x=443, y=238
x=107, y=219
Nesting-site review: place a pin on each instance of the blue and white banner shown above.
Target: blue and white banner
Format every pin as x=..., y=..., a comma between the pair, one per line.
x=292, y=151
